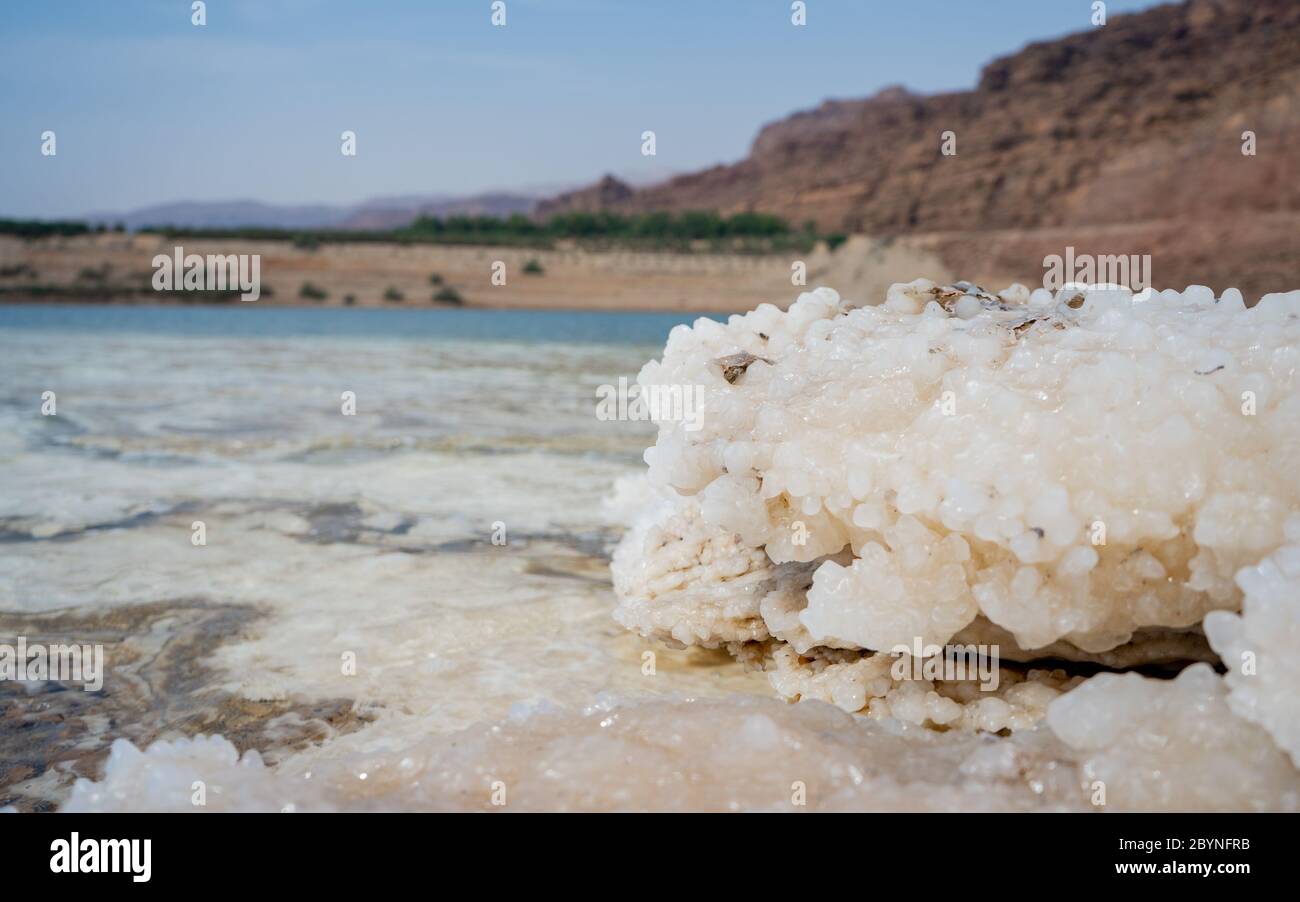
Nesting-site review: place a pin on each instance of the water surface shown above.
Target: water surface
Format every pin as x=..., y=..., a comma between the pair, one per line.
x=348, y=590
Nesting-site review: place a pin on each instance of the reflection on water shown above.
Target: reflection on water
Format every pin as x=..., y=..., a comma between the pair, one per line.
x=349, y=581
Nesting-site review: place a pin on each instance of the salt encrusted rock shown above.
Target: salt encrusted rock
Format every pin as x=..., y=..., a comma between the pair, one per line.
x=1075, y=478
x=1071, y=469
x=1259, y=648
x=1159, y=745
x=733, y=366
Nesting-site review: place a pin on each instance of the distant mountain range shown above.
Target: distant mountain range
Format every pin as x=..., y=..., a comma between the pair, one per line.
x=377, y=213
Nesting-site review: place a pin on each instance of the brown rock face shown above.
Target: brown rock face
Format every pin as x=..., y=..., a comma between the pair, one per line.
x=607, y=194
x=1138, y=121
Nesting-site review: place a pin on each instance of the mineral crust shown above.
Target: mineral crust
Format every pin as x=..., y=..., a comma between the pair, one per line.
x=1070, y=483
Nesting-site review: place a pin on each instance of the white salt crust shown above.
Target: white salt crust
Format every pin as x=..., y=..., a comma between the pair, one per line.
x=741, y=753
x=1153, y=745
x=1081, y=478
x=1172, y=745
x=1260, y=647
x=682, y=583
x=685, y=583
x=971, y=464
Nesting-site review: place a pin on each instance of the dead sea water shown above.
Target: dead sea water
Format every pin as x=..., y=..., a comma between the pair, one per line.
x=257, y=562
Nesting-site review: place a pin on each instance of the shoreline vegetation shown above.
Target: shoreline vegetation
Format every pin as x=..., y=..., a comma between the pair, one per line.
x=692, y=231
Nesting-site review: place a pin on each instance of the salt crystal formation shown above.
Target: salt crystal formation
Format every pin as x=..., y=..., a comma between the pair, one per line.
x=1171, y=745
x=1259, y=647
x=205, y=773
x=1073, y=478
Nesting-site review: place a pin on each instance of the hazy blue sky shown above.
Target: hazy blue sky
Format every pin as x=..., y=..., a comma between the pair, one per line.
x=149, y=108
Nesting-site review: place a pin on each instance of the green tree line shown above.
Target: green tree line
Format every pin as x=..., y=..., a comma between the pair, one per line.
x=745, y=232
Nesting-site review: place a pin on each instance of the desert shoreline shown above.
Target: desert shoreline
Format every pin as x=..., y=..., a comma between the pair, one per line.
x=117, y=268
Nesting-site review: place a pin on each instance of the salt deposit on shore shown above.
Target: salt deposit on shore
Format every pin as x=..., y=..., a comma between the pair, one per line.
x=1073, y=478
x=1118, y=743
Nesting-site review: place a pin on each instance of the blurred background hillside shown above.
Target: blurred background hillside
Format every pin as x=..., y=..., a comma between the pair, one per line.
x=1170, y=131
